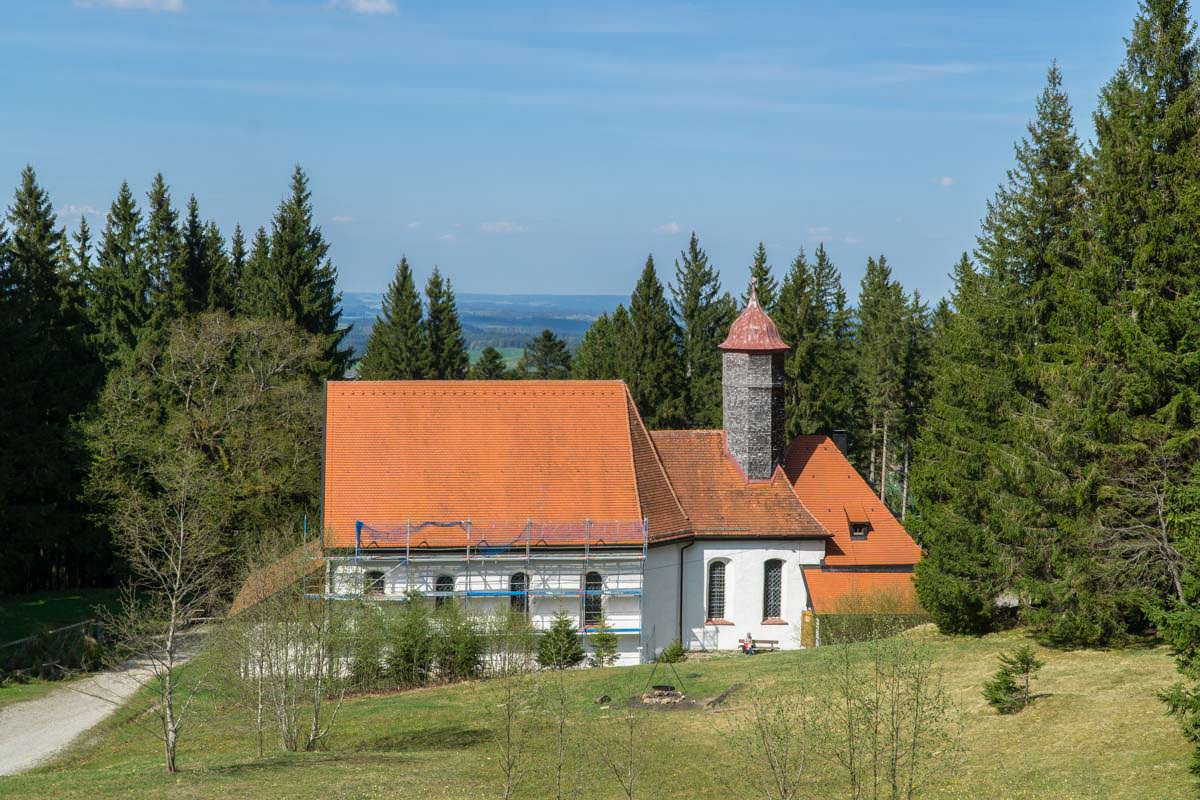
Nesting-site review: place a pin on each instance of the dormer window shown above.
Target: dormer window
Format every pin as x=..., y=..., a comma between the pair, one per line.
x=857, y=519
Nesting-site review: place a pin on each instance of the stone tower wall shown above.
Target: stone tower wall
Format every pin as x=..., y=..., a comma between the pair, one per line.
x=752, y=385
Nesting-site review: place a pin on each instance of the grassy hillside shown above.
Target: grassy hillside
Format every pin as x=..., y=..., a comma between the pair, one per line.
x=1097, y=732
x=27, y=614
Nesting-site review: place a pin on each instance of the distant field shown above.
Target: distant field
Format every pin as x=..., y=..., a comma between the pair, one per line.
x=1096, y=732
x=26, y=614
x=511, y=354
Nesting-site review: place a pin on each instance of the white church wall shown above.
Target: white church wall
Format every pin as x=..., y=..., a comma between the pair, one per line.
x=745, y=563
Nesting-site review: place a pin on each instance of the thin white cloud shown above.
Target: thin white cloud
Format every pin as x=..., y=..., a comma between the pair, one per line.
x=945, y=181
x=502, y=227
x=375, y=7
x=133, y=5
x=852, y=240
x=669, y=227
x=447, y=237
x=819, y=230
x=343, y=218
x=412, y=226
x=77, y=210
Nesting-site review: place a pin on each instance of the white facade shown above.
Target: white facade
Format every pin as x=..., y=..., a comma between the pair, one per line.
x=554, y=582
x=745, y=563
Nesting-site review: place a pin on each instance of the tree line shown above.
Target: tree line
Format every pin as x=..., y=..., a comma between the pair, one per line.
x=97, y=369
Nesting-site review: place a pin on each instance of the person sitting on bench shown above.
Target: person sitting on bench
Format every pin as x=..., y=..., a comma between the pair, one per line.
x=748, y=645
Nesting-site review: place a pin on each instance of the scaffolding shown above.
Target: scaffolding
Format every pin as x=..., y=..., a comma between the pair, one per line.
x=390, y=563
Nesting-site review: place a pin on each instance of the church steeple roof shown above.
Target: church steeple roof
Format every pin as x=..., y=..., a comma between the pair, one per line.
x=753, y=331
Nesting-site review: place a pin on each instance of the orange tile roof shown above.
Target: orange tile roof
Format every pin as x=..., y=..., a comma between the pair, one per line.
x=719, y=500
x=834, y=492
x=497, y=453
x=754, y=331
x=850, y=592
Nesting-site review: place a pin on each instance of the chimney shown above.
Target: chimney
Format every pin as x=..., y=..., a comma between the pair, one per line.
x=752, y=391
x=841, y=440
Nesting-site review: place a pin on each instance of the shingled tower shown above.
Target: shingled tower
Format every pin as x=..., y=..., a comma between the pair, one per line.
x=752, y=382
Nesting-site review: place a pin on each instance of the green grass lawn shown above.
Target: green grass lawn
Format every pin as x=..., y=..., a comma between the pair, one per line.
x=1096, y=731
x=27, y=614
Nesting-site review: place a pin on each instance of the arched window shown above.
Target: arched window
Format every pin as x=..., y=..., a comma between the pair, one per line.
x=443, y=585
x=716, y=590
x=773, y=589
x=518, y=585
x=373, y=585
x=593, y=609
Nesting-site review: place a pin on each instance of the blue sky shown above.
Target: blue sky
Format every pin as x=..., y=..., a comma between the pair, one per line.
x=548, y=147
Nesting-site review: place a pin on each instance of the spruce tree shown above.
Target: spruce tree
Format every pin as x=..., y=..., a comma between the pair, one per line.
x=395, y=349
x=489, y=367
x=299, y=282
x=163, y=249
x=235, y=272
x=445, y=349
x=53, y=379
x=766, y=287
x=119, y=304
x=546, y=357
x=190, y=289
x=656, y=377
x=221, y=284
x=1125, y=404
x=984, y=455
x=257, y=286
x=600, y=355
x=703, y=316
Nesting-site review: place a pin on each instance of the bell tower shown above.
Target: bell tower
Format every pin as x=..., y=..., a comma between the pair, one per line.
x=752, y=391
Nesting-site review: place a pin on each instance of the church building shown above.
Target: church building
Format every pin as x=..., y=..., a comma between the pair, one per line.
x=552, y=496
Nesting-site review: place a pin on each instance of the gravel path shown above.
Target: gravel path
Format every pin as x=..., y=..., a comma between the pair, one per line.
x=33, y=731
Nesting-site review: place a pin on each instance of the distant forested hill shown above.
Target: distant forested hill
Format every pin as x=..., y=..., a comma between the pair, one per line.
x=504, y=321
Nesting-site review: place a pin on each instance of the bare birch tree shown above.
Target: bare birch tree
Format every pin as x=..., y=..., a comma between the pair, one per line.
x=774, y=744
x=620, y=753
x=168, y=537
x=515, y=715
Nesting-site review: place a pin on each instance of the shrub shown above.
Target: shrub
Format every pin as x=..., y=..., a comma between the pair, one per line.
x=604, y=645
x=410, y=661
x=673, y=653
x=367, y=647
x=1008, y=691
x=459, y=646
x=866, y=616
x=559, y=647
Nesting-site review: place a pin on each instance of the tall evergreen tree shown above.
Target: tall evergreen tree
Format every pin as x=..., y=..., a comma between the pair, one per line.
x=52, y=379
x=489, y=367
x=395, y=349
x=256, y=278
x=766, y=287
x=190, y=289
x=299, y=282
x=222, y=286
x=235, y=272
x=163, y=249
x=445, y=349
x=546, y=357
x=601, y=355
x=992, y=507
x=812, y=318
x=119, y=301
x=656, y=378
x=703, y=316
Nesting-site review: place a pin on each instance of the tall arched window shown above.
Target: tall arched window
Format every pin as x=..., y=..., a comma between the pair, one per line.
x=593, y=608
x=773, y=589
x=518, y=585
x=443, y=585
x=374, y=584
x=716, y=590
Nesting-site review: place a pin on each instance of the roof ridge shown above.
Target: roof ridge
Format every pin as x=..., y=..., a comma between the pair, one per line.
x=636, y=415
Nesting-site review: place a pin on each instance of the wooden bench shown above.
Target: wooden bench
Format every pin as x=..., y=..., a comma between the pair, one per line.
x=759, y=645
